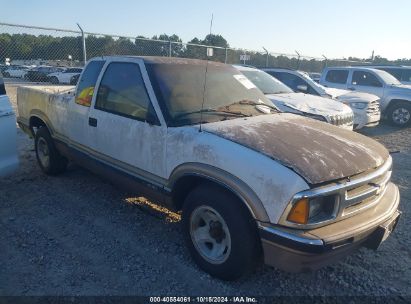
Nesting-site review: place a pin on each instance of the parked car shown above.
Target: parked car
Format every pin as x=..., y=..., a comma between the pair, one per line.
x=16, y=71
x=315, y=76
x=40, y=73
x=366, y=107
x=395, y=98
x=402, y=73
x=286, y=100
x=3, y=67
x=249, y=180
x=8, y=148
x=64, y=76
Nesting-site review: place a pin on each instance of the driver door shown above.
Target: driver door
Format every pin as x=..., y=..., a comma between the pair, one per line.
x=127, y=131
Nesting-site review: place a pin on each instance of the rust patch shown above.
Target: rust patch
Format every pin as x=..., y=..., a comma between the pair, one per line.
x=319, y=152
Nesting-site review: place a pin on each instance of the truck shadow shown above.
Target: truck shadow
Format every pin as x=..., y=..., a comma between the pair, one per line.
x=384, y=128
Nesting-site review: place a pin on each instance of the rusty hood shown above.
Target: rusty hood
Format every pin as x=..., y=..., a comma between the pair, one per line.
x=317, y=151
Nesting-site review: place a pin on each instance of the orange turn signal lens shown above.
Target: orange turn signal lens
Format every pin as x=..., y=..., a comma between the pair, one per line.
x=299, y=212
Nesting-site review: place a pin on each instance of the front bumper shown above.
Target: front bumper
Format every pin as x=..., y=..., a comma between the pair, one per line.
x=363, y=119
x=307, y=250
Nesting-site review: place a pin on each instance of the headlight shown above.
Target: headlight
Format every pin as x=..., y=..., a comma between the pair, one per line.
x=358, y=105
x=313, y=210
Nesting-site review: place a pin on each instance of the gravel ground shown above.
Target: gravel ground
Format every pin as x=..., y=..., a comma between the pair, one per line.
x=76, y=234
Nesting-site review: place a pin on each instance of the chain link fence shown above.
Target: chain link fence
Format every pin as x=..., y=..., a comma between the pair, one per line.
x=40, y=46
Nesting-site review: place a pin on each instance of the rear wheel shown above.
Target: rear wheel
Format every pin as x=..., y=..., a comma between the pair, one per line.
x=54, y=80
x=50, y=160
x=220, y=233
x=6, y=74
x=399, y=114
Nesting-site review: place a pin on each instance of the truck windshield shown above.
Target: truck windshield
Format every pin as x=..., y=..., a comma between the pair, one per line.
x=180, y=88
x=387, y=77
x=266, y=83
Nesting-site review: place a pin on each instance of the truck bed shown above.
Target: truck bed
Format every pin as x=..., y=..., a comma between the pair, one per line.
x=45, y=101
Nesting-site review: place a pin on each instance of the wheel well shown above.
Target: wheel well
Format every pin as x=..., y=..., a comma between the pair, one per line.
x=187, y=183
x=393, y=102
x=36, y=122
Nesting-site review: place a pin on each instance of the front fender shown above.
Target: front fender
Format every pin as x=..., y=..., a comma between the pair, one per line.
x=226, y=180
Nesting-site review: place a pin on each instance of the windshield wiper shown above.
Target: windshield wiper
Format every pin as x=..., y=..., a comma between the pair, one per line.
x=213, y=111
x=254, y=103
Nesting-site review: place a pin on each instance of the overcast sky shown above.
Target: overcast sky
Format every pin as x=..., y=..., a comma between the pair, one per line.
x=312, y=27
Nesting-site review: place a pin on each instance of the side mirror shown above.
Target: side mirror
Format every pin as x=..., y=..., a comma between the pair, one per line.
x=302, y=88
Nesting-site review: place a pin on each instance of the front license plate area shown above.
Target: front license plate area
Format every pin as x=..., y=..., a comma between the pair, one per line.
x=382, y=233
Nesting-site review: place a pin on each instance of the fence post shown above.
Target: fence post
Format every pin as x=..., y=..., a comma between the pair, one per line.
x=169, y=48
x=325, y=61
x=83, y=38
x=266, y=60
x=226, y=55
x=298, y=61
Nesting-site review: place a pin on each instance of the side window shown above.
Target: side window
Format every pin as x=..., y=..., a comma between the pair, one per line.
x=276, y=75
x=406, y=75
x=337, y=76
x=85, y=87
x=293, y=81
x=122, y=91
x=367, y=79
x=2, y=87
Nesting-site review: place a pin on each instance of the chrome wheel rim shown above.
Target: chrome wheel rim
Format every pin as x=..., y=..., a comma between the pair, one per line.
x=401, y=116
x=210, y=235
x=43, y=152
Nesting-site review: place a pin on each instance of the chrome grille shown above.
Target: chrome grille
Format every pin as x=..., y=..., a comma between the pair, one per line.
x=342, y=120
x=373, y=107
x=364, y=196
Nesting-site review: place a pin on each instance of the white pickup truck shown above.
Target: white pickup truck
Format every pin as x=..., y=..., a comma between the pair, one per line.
x=249, y=180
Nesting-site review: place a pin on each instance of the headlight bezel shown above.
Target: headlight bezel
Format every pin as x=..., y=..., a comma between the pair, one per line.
x=358, y=105
x=327, y=207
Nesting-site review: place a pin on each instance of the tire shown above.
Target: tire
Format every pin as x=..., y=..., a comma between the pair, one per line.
x=6, y=75
x=214, y=219
x=50, y=160
x=399, y=114
x=54, y=80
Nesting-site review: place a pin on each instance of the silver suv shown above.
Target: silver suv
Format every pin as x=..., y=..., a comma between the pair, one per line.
x=395, y=97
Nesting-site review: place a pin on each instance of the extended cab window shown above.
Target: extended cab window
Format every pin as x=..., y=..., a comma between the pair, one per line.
x=122, y=91
x=85, y=88
x=363, y=78
x=337, y=76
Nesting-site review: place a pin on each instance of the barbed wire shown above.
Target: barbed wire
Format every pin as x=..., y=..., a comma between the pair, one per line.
x=36, y=45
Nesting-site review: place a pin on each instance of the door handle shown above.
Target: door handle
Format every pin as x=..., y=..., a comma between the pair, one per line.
x=92, y=122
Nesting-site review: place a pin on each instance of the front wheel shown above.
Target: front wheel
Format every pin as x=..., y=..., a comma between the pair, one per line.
x=220, y=233
x=50, y=160
x=54, y=80
x=399, y=114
